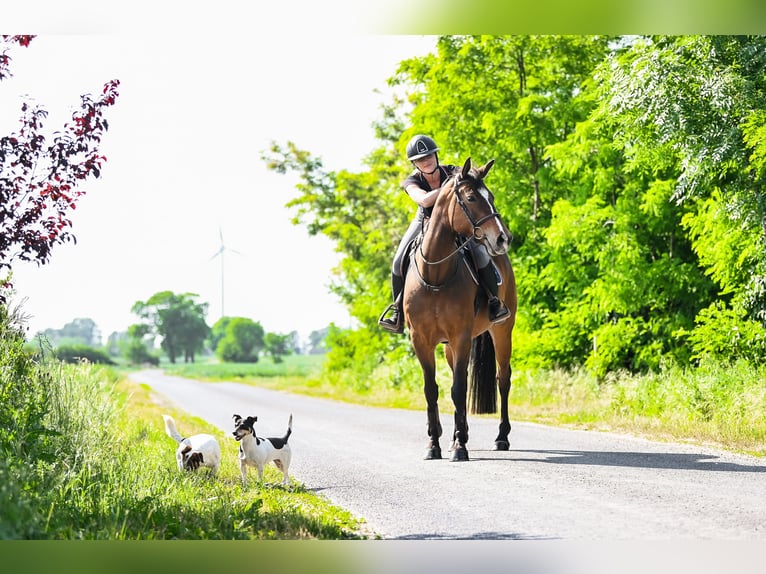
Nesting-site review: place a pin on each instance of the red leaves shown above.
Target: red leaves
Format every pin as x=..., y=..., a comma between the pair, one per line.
x=39, y=179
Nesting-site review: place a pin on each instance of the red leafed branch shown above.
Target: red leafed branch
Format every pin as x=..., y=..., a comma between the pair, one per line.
x=41, y=175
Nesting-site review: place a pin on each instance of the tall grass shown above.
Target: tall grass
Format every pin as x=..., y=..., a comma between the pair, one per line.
x=85, y=456
x=722, y=404
x=714, y=403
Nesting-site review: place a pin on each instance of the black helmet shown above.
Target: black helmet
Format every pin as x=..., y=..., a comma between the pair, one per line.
x=420, y=146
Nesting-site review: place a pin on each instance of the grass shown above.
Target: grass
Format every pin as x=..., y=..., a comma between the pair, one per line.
x=712, y=404
x=98, y=466
x=171, y=504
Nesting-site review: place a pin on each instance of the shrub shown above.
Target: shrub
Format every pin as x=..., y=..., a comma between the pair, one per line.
x=725, y=334
x=79, y=353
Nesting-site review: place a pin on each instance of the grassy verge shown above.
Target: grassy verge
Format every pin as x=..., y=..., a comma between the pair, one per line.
x=713, y=404
x=85, y=456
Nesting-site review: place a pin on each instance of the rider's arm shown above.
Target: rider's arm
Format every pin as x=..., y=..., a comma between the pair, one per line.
x=422, y=197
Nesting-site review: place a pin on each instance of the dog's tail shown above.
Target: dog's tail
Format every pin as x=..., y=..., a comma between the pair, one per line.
x=171, y=430
x=289, y=428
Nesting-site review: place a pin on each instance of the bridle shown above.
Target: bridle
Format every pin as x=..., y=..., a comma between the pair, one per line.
x=478, y=234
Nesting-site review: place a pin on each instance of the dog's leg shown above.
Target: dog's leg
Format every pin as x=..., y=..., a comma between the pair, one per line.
x=285, y=478
x=243, y=472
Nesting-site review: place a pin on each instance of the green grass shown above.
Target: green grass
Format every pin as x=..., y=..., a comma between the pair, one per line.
x=713, y=404
x=85, y=456
x=292, y=366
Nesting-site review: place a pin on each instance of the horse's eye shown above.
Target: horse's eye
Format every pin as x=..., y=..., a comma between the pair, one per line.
x=471, y=198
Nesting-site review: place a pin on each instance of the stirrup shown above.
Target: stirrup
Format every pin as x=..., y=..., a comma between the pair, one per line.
x=389, y=324
x=502, y=313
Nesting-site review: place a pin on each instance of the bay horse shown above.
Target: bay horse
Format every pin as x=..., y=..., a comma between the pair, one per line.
x=444, y=304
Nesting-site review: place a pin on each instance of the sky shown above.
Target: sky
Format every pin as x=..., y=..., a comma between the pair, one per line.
x=184, y=168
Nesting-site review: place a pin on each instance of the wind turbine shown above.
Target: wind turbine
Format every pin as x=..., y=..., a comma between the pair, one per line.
x=220, y=253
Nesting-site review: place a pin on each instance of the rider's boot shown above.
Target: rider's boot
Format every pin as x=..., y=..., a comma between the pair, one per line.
x=498, y=312
x=395, y=323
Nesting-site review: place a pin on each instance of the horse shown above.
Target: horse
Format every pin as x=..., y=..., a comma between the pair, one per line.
x=443, y=303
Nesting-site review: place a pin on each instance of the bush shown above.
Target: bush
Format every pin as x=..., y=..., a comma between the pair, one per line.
x=725, y=334
x=136, y=353
x=79, y=353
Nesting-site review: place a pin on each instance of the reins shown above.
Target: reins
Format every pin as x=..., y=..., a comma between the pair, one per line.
x=478, y=234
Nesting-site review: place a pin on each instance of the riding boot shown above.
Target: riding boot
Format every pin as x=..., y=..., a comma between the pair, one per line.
x=498, y=312
x=395, y=323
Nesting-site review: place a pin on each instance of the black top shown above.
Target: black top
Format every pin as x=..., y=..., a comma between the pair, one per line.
x=419, y=179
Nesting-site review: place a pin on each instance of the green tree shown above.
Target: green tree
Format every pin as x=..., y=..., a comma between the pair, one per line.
x=239, y=339
x=697, y=102
x=136, y=346
x=82, y=331
x=277, y=346
x=218, y=332
x=630, y=170
x=178, y=319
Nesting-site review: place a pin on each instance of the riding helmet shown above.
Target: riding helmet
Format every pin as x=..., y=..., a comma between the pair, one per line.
x=421, y=146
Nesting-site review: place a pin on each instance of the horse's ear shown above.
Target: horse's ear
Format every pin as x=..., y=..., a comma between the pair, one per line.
x=466, y=167
x=484, y=170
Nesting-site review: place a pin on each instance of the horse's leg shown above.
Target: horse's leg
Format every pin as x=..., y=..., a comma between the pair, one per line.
x=460, y=356
x=502, y=342
x=431, y=391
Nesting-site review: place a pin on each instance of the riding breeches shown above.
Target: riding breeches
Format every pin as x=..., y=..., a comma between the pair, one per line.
x=409, y=235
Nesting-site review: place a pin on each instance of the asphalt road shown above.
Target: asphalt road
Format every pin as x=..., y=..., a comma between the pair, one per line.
x=553, y=484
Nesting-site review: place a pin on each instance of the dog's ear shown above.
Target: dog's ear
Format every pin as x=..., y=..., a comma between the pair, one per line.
x=252, y=420
x=186, y=449
x=237, y=419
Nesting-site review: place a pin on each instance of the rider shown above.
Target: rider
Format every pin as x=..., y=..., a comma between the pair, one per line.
x=423, y=186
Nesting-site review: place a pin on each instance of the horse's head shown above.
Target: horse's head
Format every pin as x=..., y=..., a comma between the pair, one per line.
x=479, y=217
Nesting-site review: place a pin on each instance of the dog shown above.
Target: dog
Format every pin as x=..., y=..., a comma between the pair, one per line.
x=194, y=451
x=258, y=452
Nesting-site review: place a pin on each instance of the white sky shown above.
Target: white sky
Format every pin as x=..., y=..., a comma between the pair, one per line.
x=195, y=112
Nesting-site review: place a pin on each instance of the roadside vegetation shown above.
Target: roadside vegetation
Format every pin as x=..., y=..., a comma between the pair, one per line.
x=722, y=405
x=83, y=455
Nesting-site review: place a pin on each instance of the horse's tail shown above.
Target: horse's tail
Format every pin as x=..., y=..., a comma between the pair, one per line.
x=482, y=372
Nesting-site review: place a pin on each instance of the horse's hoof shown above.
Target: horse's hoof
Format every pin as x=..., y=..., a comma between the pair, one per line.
x=433, y=453
x=502, y=445
x=460, y=454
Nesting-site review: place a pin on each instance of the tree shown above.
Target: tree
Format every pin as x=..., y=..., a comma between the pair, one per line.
x=318, y=341
x=82, y=331
x=241, y=341
x=40, y=178
x=135, y=347
x=630, y=170
x=179, y=320
x=696, y=103
x=277, y=346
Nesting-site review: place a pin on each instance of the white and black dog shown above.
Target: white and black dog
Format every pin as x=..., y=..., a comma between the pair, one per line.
x=258, y=452
x=194, y=451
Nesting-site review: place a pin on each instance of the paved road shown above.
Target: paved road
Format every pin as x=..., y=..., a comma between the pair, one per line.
x=552, y=484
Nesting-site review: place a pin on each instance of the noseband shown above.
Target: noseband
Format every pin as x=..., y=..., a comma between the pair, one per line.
x=478, y=234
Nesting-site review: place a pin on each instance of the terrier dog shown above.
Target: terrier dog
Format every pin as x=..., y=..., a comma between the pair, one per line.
x=194, y=451
x=258, y=452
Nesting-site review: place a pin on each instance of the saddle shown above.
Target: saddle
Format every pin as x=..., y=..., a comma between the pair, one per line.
x=465, y=255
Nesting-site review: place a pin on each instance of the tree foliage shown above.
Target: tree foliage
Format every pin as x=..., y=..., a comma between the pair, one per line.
x=277, y=346
x=178, y=319
x=630, y=170
x=82, y=331
x=41, y=176
x=237, y=339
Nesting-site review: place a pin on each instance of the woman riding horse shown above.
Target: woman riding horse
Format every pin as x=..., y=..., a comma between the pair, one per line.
x=423, y=186
x=442, y=303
